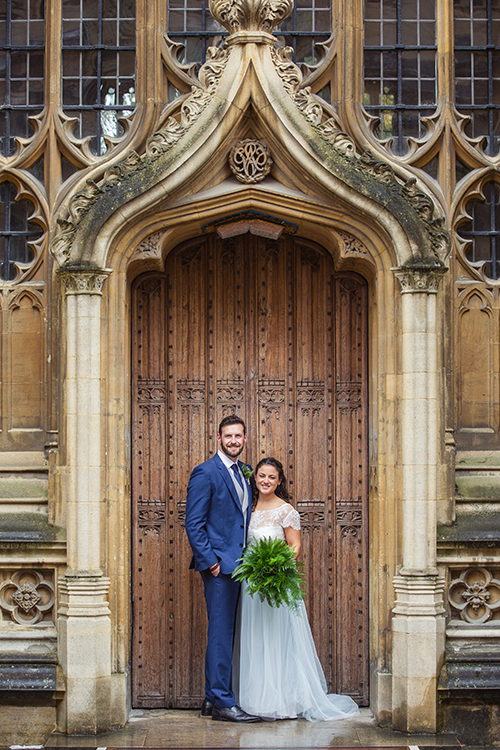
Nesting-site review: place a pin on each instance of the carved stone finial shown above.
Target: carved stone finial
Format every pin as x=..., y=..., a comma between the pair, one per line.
x=250, y=161
x=251, y=15
x=419, y=279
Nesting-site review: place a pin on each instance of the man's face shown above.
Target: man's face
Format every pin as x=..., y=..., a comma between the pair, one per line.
x=232, y=440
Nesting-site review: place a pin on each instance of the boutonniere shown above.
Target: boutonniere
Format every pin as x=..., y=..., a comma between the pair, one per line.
x=247, y=471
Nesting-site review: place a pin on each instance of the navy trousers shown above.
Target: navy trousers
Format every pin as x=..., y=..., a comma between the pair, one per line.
x=221, y=596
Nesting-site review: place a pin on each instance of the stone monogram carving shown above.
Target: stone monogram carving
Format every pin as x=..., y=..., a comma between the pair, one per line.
x=475, y=595
x=250, y=161
x=27, y=596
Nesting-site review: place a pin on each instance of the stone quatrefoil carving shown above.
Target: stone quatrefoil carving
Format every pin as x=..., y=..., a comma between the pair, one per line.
x=475, y=595
x=26, y=596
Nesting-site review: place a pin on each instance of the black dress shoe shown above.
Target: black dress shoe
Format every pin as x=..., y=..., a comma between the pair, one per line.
x=233, y=713
x=207, y=707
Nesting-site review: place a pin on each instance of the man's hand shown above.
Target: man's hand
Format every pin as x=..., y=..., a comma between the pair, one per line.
x=215, y=569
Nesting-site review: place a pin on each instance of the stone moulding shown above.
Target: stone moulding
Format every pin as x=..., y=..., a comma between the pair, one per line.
x=221, y=87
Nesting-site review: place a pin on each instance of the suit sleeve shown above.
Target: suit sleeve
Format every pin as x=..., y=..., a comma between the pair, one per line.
x=199, y=494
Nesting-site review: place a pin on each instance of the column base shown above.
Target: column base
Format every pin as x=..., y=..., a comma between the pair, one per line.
x=89, y=705
x=418, y=632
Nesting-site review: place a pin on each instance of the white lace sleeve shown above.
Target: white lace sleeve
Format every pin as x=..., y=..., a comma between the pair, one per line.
x=292, y=519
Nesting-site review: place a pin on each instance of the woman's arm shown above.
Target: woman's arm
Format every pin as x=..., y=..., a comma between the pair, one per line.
x=292, y=537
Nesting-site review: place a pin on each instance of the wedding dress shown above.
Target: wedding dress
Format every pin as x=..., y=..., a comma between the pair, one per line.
x=276, y=670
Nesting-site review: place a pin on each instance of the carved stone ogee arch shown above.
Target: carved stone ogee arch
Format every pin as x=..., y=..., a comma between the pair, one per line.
x=337, y=195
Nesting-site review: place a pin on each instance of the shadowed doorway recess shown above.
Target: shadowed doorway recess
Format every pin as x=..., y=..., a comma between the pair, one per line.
x=265, y=329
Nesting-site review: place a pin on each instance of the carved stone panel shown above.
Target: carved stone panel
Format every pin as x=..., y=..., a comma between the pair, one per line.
x=27, y=596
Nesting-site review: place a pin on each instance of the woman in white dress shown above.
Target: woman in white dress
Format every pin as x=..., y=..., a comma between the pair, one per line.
x=276, y=670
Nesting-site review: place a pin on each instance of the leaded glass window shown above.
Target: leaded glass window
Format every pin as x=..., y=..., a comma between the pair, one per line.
x=98, y=66
x=22, y=64
x=16, y=232
x=483, y=232
x=399, y=67
x=477, y=67
x=190, y=23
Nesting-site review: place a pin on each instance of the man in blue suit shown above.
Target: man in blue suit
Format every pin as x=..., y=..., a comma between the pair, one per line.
x=218, y=509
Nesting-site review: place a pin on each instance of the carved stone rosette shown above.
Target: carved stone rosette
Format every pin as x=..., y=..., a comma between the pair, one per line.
x=84, y=281
x=419, y=280
x=250, y=161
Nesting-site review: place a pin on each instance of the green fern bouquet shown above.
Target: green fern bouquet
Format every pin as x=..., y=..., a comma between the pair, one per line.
x=271, y=571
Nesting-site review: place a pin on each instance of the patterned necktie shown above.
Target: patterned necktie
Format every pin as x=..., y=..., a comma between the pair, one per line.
x=234, y=467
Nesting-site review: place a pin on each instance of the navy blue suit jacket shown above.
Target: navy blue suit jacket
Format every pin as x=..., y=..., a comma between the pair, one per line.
x=214, y=519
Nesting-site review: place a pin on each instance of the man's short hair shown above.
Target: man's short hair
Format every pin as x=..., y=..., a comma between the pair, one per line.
x=232, y=419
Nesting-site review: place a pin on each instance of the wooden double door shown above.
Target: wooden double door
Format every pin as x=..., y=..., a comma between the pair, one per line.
x=267, y=330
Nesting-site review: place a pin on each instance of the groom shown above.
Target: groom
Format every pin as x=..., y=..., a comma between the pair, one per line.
x=218, y=509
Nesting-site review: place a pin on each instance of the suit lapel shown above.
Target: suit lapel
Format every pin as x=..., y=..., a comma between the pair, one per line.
x=227, y=479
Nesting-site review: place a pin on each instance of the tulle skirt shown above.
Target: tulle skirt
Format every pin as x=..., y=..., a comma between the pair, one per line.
x=276, y=670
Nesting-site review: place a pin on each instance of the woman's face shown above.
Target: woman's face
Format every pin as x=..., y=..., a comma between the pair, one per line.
x=267, y=479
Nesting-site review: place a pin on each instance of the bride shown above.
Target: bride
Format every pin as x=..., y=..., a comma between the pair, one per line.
x=276, y=670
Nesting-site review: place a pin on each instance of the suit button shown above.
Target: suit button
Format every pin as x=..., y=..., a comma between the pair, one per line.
x=242, y=527
x=241, y=545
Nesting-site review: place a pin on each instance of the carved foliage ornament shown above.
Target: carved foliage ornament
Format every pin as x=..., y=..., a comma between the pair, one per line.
x=250, y=161
x=414, y=279
x=84, y=281
x=27, y=596
x=329, y=132
x=250, y=15
x=475, y=595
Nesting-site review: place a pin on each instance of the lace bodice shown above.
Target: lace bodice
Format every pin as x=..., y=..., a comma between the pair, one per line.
x=271, y=523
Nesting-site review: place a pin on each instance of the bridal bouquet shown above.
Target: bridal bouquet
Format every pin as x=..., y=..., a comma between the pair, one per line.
x=271, y=571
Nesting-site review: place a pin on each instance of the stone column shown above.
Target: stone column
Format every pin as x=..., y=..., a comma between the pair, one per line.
x=418, y=625
x=84, y=623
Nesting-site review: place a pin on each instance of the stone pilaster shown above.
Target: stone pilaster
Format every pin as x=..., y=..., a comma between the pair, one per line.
x=418, y=624
x=84, y=623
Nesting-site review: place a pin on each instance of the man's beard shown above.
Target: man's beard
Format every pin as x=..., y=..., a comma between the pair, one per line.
x=231, y=455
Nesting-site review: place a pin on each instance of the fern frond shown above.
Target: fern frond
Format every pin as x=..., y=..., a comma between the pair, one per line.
x=272, y=573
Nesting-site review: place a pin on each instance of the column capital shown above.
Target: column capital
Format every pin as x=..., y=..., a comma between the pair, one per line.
x=83, y=279
x=419, y=279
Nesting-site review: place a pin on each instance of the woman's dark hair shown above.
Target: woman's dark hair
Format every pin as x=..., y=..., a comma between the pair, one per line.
x=281, y=490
